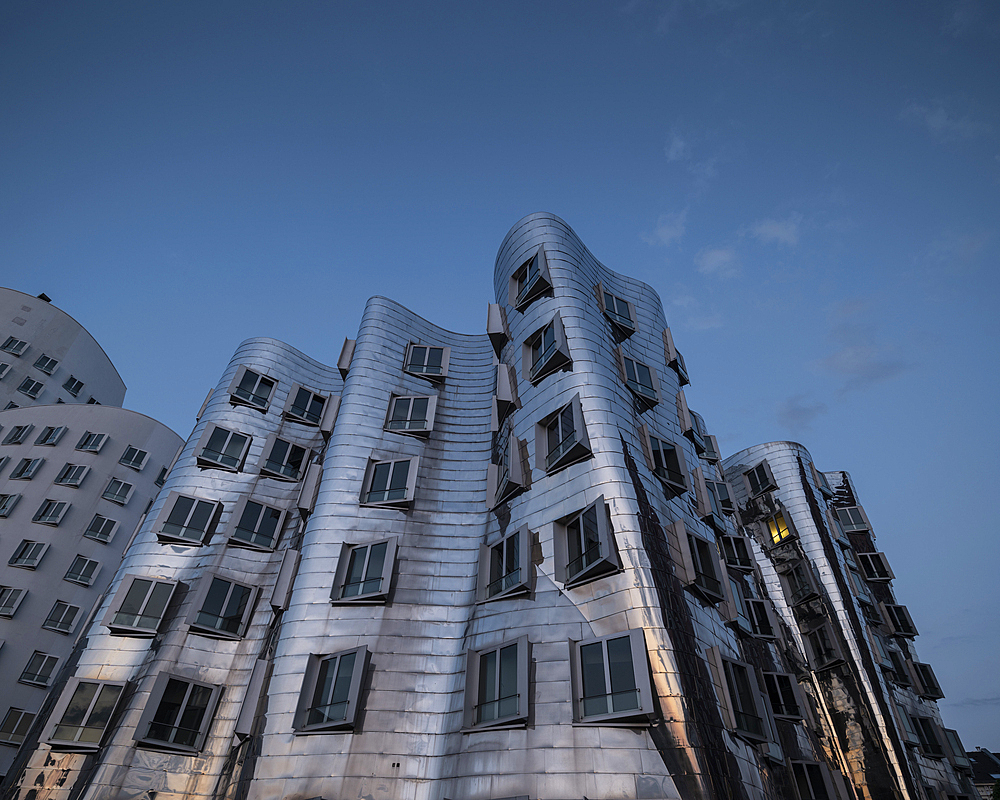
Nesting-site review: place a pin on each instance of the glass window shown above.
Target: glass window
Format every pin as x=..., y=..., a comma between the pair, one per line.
x=26, y=469
x=118, y=491
x=10, y=599
x=390, y=482
x=50, y=435
x=529, y=281
x=28, y=554
x=82, y=570
x=899, y=620
x=61, y=617
x=18, y=434
x=618, y=311
x=561, y=438
x=133, y=457
x=257, y=524
x=783, y=694
x=50, y=512
x=545, y=351
x=809, y=783
x=853, y=518
x=101, y=529
x=15, y=726
x=72, y=475
x=178, y=714
x=286, y=461
x=642, y=380
x=73, y=386
x=585, y=548
x=30, y=387
x=428, y=362
x=759, y=479
x=224, y=609
x=667, y=463
x=364, y=571
x=83, y=713
x=410, y=414
x=330, y=691
x=612, y=679
x=92, y=442
x=306, y=406
x=778, y=528
x=7, y=503
x=138, y=606
x=251, y=389
x=39, y=669
x=504, y=568
x=14, y=346
x=45, y=364
x=496, y=685
x=224, y=448
x=189, y=519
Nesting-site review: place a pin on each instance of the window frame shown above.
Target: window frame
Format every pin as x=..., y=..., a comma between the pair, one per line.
x=379, y=596
x=114, y=611
x=408, y=430
x=707, y=502
x=623, y=326
x=22, y=722
x=568, y=451
x=46, y=665
x=120, y=497
x=8, y=607
x=762, y=481
x=16, y=347
x=91, y=442
x=732, y=702
x=26, y=469
x=411, y=482
x=205, y=586
x=30, y=387
x=925, y=682
x=156, y=699
x=178, y=537
x=759, y=613
x=18, y=434
x=7, y=503
x=419, y=370
x=505, y=481
x=80, y=577
x=232, y=463
x=736, y=552
x=54, y=622
x=308, y=693
x=930, y=739
x=783, y=692
x=646, y=711
x=606, y=561
x=891, y=615
x=46, y=364
x=646, y=399
x=38, y=551
x=855, y=522
x=51, y=512
x=772, y=530
x=798, y=583
x=689, y=425
x=816, y=776
x=521, y=296
x=675, y=481
x=673, y=358
x=73, y=385
x=831, y=655
x=72, y=475
x=50, y=436
x=136, y=463
x=305, y=418
x=236, y=519
x=57, y=720
x=258, y=402
x=98, y=534
x=514, y=582
x=4, y=369
x=692, y=554
x=474, y=686
x=554, y=357
x=875, y=567
x=283, y=470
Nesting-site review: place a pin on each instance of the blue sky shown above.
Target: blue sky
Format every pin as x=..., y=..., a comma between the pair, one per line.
x=812, y=187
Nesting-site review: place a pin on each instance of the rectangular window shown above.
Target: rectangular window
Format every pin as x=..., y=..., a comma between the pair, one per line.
x=161, y=478
x=561, y=438
x=723, y=498
x=810, y=783
x=798, y=582
x=390, y=483
x=899, y=620
x=759, y=479
x=741, y=702
x=506, y=474
x=674, y=358
x=100, y=529
x=178, y=714
x=875, y=567
x=133, y=457
x=14, y=346
x=92, y=442
x=285, y=461
x=428, y=362
x=529, y=281
x=413, y=415
x=585, y=546
x=736, y=552
x=496, y=685
x=83, y=713
x=117, y=491
x=28, y=554
x=223, y=608
x=138, y=606
x=50, y=512
x=3, y=369
x=706, y=568
x=364, y=572
x=822, y=648
x=73, y=386
x=545, y=351
x=251, y=389
x=707, y=502
x=611, y=679
x=256, y=524
x=927, y=734
x=72, y=475
x=762, y=623
x=690, y=423
x=641, y=379
x=926, y=681
x=189, y=520
x=783, y=693
x=505, y=567
x=50, y=435
x=330, y=691
x=18, y=434
x=619, y=312
x=711, y=447
x=10, y=599
x=26, y=469
x=38, y=671
x=839, y=535
x=853, y=518
x=779, y=529
x=305, y=406
x=223, y=449
x=666, y=461
x=30, y=387
x=956, y=751
x=82, y=571
x=45, y=364
x=15, y=726
x=61, y=617
x=7, y=503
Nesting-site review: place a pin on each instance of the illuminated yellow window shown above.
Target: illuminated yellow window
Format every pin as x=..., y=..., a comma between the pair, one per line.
x=778, y=528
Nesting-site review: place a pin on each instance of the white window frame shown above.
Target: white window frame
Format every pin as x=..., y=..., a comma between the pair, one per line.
x=435, y=374
x=657, y=451
x=251, y=397
x=220, y=458
x=138, y=460
x=645, y=701
x=72, y=475
x=736, y=696
x=568, y=450
x=762, y=479
x=51, y=512
x=57, y=619
x=73, y=386
x=50, y=436
x=479, y=696
x=529, y=281
x=199, y=507
x=92, y=442
x=127, y=623
x=198, y=617
x=104, y=531
x=598, y=564
x=118, y=491
x=68, y=730
x=381, y=578
x=305, y=415
x=18, y=434
x=243, y=508
x=504, y=574
x=408, y=426
x=83, y=571
x=646, y=396
x=538, y=360
x=623, y=324
x=7, y=503
x=14, y=346
x=43, y=664
x=401, y=501
x=10, y=598
x=307, y=705
x=29, y=554
x=284, y=469
x=143, y=737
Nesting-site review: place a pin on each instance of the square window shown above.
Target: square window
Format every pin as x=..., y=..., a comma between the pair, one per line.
x=178, y=714
x=546, y=351
x=223, y=449
x=740, y=699
x=427, y=362
x=640, y=378
x=330, y=691
x=7, y=503
x=30, y=387
x=412, y=415
x=305, y=406
x=875, y=567
x=620, y=313
x=810, y=782
x=83, y=713
x=798, y=582
x=691, y=425
x=39, y=669
x=505, y=567
x=611, y=680
x=61, y=617
x=285, y=461
x=390, y=483
x=138, y=606
x=736, y=551
x=222, y=608
x=364, y=572
x=18, y=434
x=561, y=438
x=189, y=520
x=666, y=461
x=73, y=386
x=507, y=475
x=10, y=599
x=133, y=457
x=853, y=518
x=822, y=648
x=496, y=685
x=585, y=545
x=899, y=620
x=45, y=364
x=15, y=726
x=255, y=525
x=251, y=389
x=925, y=681
x=72, y=475
x=529, y=281
x=92, y=442
x=14, y=346
x=83, y=570
x=50, y=512
x=779, y=529
x=118, y=491
x=100, y=529
x=674, y=358
x=50, y=435
x=28, y=554
x=759, y=479
x=26, y=469
x=783, y=692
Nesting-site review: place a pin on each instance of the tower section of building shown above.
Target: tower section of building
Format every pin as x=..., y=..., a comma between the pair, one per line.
x=75, y=481
x=47, y=357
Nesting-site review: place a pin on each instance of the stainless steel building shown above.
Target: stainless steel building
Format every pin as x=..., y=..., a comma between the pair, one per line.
x=471, y=566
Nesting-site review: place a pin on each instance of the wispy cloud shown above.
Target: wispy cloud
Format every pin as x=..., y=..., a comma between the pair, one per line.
x=776, y=231
x=797, y=414
x=694, y=315
x=719, y=261
x=860, y=358
x=976, y=701
x=680, y=150
x=677, y=149
x=669, y=228
x=943, y=125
